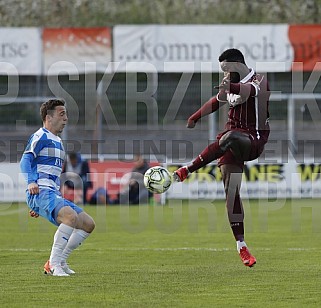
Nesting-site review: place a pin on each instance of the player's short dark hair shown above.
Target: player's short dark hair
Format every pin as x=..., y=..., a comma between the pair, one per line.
x=232, y=55
x=49, y=105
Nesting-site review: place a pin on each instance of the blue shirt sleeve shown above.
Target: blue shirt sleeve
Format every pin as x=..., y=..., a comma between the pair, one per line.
x=26, y=169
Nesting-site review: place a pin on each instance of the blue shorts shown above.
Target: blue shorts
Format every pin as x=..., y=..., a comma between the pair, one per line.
x=48, y=203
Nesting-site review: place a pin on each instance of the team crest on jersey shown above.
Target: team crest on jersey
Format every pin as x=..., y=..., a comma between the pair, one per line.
x=233, y=99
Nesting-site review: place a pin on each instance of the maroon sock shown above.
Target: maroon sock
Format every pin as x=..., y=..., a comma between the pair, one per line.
x=238, y=225
x=238, y=230
x=210, y=153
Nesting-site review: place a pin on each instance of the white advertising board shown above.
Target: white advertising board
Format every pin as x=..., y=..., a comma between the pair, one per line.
x=12, y=183
x=260, y=180
x=196, y=48
x=289, y=179
x=22, y=49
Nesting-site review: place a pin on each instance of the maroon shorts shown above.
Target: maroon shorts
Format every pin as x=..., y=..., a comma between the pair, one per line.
x=257, y=147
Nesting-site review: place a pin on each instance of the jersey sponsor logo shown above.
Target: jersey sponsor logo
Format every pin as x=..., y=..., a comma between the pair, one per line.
x=59, y=162
x=233, y=99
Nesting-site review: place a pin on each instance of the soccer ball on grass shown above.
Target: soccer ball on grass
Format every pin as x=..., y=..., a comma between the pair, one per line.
x=157, y=179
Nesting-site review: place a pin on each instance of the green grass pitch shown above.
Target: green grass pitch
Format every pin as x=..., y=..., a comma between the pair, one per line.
x=178, y=255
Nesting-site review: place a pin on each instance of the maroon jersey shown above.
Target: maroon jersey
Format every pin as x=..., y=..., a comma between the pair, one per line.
x=249, y=106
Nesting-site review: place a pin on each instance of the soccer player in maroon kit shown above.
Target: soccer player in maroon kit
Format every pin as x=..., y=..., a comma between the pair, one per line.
x=246, y=132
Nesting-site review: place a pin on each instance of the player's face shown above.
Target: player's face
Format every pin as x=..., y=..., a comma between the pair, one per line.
x=57, y=120
x=227, y=67
x=231, y=69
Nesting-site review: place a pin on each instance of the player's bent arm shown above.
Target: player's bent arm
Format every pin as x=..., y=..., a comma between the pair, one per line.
x=245, y=90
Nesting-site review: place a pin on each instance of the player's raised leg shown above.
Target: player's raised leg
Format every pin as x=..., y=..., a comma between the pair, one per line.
x=210, y=153
x=236, y=141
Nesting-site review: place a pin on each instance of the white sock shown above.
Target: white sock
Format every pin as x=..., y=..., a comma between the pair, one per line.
x=61, y=239
x=239, y=245
x=75, y=240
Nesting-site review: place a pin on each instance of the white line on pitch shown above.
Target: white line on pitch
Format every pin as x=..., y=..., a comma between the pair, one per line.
x=211, y=249
x=12, y=212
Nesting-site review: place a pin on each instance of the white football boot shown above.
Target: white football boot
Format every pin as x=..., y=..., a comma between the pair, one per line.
x=58, y=271
x=67, y=269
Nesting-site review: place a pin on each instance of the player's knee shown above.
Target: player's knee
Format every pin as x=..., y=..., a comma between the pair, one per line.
x=228, y=140
x=232, y=136
x=86, y=222
x=236, y=141
x=90, y=226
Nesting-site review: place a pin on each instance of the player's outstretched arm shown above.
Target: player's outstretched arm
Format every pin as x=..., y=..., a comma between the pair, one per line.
x=209, y=107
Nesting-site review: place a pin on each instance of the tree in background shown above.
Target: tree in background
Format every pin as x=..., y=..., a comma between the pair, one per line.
x=99, y=13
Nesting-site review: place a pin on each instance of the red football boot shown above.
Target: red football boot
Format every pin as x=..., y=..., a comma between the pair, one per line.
x=246, y=257
x=46, y=268
x=181, y=174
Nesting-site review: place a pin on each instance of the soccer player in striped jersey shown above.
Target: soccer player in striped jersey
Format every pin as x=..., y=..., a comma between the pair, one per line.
x=41, y=164
x=246, y=132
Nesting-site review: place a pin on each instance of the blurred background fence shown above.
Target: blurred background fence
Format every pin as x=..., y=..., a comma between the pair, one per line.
x=118, y=127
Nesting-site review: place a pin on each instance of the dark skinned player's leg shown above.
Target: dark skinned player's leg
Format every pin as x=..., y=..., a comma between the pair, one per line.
x=240, y=144
x=233, y=148
x=232, y=177
x=232, y=169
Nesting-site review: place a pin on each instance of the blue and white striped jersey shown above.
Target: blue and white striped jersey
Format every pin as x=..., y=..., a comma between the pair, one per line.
x=49, y=155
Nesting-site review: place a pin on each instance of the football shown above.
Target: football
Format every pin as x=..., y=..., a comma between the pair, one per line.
x=157, y=179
